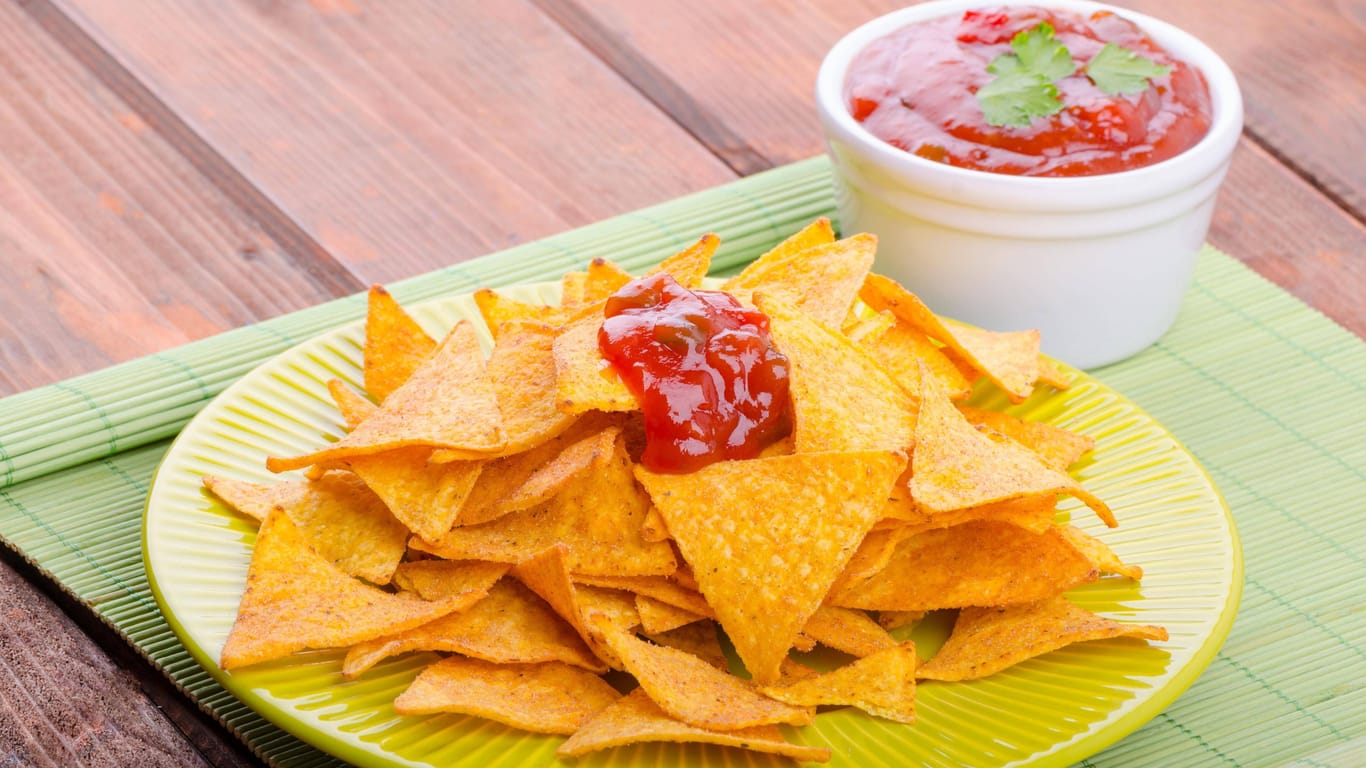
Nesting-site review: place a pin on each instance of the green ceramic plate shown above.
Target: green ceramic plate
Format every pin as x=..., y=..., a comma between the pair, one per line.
x=1049, y=711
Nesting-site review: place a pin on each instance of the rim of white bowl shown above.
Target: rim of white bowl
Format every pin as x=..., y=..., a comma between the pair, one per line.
x=1037, y=193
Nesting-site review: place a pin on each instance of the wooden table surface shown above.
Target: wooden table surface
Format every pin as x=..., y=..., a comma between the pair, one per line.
x=169, y=170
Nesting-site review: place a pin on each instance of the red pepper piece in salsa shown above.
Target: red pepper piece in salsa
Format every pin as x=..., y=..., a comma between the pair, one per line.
x=710, y=382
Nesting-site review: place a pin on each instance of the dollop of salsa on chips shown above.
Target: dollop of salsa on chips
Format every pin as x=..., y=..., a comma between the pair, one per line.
x=711, y=384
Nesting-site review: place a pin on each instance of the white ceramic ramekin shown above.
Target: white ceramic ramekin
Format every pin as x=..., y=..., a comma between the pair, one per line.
x=1098, y=264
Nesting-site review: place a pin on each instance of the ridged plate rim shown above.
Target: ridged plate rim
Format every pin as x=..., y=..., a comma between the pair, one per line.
x=196, y=553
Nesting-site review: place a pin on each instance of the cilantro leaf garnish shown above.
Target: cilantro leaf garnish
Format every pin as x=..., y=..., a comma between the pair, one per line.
x=1023, y=88
x=1117, y=70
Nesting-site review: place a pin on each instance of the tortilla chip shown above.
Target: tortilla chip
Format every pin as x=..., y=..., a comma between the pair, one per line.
x=661, y=588
x=903, y=349
x=699, y=638
x=563, y=698
x=693, y=690
x=894, y=620
x=294, y=599
x=852, y=632
x=522, y=369
x=353, y=406
x=499, y=311
x=842, y=400
x=1010, y=359
x=987, y=640
x=448, y=402
x=956, y=466
x=435, y=579
x=821, y=281
x=255, y=500
x=395, y=345
x=766, y=538
x=511, y=625
x=597, y=517
x=585, y=381
x=977, y=563
x=1058, y=447
x=635, y=719
x=1052, y=373
x=689, y=266
x=425, y=497
x=570, y=464
x=604, y=278
x=1099, y=553
x=657, y=617
x=881, y=684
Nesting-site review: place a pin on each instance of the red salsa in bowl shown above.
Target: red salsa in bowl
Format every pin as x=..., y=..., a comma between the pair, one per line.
x=1029, y=91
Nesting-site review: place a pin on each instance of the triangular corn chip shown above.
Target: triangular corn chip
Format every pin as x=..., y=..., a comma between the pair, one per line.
x=1099, y=553
x=842, y=400
x=499, y=311
x=956, y=466
x=847, y=630
x=565, y=697
x=395, y=345
x=255, y=500
x=294, y=599
x=425, y=497
x=821, y=281
x=510, y=625
x=354, y=407
x=658, y=617
x=635, y=719
x=977, y=563
x=765, y=567
x=1058, y=447
x=448, y=402
x=881, y=684
x=902, y=349
x=689, y=266
x=1009, y=359
x=435, y=579
x=693, y=690
x=522, y=369
x=987, y=640
x=585, y=381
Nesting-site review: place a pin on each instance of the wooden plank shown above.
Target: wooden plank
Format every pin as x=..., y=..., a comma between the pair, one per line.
x=63, y=702
x=113, y=245
x=1287, y=221
x=406, y=136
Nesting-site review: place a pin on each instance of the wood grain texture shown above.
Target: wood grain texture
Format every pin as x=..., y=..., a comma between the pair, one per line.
x=1294, y=220
x=63, y=702
x=405, y=136
x=113, y=246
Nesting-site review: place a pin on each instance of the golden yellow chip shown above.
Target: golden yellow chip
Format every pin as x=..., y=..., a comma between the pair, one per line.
x=847, y=630
x=294, y=599
x=821, y=281
x=977, y=563
x=987, y=640
x=689, y=266
x=903, y=349
x=767, y=537
x=499, y=311
x=597, y=517
x=881, y=684
x=553, y=476
x=1058, y=447
x=1009, y=359
x=635, y=719
x=563, y=697
x=585, y=381
x=1052, y=374
x=522, y=369
x=336, y=513
x=604, y=278
x=1099, y=553
x=435, y=579
x=395, y=345
x=657, y=617
x=666, y=589
x=425, y=497
x=699, y=638
x=448, y=402
x=354, y=407
x=956, y=466
x=693, y=690
x=510, y=625
x=842, y=400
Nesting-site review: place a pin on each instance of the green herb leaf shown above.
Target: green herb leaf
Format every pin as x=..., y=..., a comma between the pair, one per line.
x=1118, y=70
x=1041, y=53
x=1023, y=88
x=1016, y=98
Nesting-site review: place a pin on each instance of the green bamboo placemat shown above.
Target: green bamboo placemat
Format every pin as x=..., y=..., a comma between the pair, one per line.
x=1264, y=391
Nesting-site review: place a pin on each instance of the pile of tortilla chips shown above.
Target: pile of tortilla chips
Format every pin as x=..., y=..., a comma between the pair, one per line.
x=488, y=506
